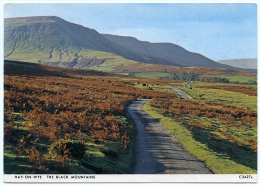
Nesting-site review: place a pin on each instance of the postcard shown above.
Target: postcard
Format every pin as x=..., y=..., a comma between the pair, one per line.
x=132, y=92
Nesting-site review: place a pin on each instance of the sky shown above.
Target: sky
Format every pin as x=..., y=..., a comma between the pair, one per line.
x=218, y=31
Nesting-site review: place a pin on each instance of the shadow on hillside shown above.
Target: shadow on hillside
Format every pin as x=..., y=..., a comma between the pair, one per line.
x=15, y=68
x=240, y=155
x=17, y=165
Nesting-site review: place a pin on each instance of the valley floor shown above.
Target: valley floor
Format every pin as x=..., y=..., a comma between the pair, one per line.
x=72, y=121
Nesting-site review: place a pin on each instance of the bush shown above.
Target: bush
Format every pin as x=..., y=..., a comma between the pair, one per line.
x=69, y=149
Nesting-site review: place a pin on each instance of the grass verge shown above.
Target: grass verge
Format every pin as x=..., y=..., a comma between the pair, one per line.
x=217, y=162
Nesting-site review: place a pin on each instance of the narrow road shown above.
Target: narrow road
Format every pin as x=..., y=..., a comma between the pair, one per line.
x=182, y=94
x=157, y=150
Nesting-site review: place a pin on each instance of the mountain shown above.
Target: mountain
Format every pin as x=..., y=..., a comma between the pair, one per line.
x=167, y=51
x=52, y=40
x=249, y=63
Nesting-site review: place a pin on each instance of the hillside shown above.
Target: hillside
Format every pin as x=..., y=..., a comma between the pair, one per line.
x=52, y=40
x=167, y=51
x=250, y=63
x=68, y=121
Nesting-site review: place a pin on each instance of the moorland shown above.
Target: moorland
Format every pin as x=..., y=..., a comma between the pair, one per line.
x=67, y=89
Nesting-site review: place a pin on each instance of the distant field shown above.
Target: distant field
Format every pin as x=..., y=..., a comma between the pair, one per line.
x=152, y=75
x=158, y=88
x=200, y=91
x=235, y=78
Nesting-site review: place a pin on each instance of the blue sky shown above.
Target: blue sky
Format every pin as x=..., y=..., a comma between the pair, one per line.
x=217, y=31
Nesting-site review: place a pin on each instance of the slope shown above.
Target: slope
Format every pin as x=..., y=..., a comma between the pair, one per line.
x=52, y=39
x=171, y=53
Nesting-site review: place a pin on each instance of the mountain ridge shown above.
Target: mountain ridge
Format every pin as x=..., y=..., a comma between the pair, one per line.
x=168, y=51
x=53, y=40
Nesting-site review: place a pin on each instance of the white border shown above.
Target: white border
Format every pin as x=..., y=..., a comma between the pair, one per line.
x=131, y=178
x=154, y=178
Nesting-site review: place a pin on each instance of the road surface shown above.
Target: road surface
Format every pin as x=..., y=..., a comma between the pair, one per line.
x=157, y=150
x=182, y=94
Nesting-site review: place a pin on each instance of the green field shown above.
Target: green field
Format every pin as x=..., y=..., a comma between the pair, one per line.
x=235, y=78
x=158, y=88
x=152, y=75
x=221, y=96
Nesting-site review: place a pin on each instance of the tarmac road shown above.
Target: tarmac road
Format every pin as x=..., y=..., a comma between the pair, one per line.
x=157, y=150
x=182, y=94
